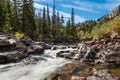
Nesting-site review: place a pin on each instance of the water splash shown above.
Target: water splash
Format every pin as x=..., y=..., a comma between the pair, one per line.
x=38, y=71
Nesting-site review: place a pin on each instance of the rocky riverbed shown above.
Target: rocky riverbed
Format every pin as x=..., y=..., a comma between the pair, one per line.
x=25, y=59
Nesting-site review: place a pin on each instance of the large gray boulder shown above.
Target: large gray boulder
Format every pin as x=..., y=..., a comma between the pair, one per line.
x=44, y=45
x=12, y=56
x=113, y=55
x=7, y=42
x=90, y=55
x=35, y=49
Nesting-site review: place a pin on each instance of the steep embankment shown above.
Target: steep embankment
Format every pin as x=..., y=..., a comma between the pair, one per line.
x=107, y=29
x=106, y=26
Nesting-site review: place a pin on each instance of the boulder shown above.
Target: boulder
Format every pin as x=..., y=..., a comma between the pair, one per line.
x=13, y=56
x=90, y=55
x=27, y=41
x=44, y=45
x=54, y=76
x=7, y=42
x=35, y=49
x=63, y=53
x=54, y=47
x=113, y=55
x=100, y=75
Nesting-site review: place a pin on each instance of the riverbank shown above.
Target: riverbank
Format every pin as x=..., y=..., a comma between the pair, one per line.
x=25, y=59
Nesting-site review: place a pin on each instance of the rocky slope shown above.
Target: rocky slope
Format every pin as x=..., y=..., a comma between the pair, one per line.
x=106, y=25
x=115, y=12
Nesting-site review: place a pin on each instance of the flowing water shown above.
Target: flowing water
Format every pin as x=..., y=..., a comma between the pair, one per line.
x=29, y=69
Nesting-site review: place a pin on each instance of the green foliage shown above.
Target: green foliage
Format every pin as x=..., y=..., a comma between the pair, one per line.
x=28, y=19
x=99, y=30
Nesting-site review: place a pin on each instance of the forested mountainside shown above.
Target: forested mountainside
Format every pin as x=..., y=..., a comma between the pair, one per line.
x=105, y=26
x=19, y=18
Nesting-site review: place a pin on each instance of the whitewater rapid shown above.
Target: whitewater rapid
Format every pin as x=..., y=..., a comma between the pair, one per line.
x=37, y=70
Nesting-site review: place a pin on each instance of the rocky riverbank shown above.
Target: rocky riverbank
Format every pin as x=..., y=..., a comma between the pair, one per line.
x=90, y=60
x=79, y=71
x=104, y=54
x=13, y=49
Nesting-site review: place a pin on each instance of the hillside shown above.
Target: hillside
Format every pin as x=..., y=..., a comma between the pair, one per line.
x=107, y=25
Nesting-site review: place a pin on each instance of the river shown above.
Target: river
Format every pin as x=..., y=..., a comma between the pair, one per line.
x=28, y=69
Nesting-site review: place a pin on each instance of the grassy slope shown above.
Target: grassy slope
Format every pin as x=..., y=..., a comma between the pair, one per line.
x=109, y=27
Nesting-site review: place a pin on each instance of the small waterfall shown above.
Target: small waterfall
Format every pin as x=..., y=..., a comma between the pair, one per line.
x=45, y=65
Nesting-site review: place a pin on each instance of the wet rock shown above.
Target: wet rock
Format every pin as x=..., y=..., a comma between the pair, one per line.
x=93, y=78
x=13, y=56
x=7, y=42
x=100, y=58
x=54, y=48
x=54, y=76
x=63, y=53
x=44, y=45
x=82, y=49
x=90, y=56
x=100, y=75
x=113, y=56
x=69, y=54
x=27, y=41
x=77, y=78
x=35, y=49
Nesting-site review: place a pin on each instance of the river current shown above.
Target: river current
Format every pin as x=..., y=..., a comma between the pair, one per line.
x=28, y=69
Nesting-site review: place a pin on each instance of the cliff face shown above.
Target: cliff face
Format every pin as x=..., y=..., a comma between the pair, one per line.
x=115, y=12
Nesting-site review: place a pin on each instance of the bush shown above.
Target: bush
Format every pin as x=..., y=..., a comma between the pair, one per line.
x=19, y=35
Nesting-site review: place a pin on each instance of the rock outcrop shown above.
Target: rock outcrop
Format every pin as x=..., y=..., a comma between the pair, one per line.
x=115, y=12
x=13, y=49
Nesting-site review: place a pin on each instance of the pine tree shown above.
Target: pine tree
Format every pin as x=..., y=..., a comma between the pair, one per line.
x=28, y=26
x=68, y=29
x=72, y=18
x=73, y=28
x=2, y=15
x=61, y=26
x=58, y=26
x=44, y=26
x=48, y=22
x=54, y=21
x=10, y=13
